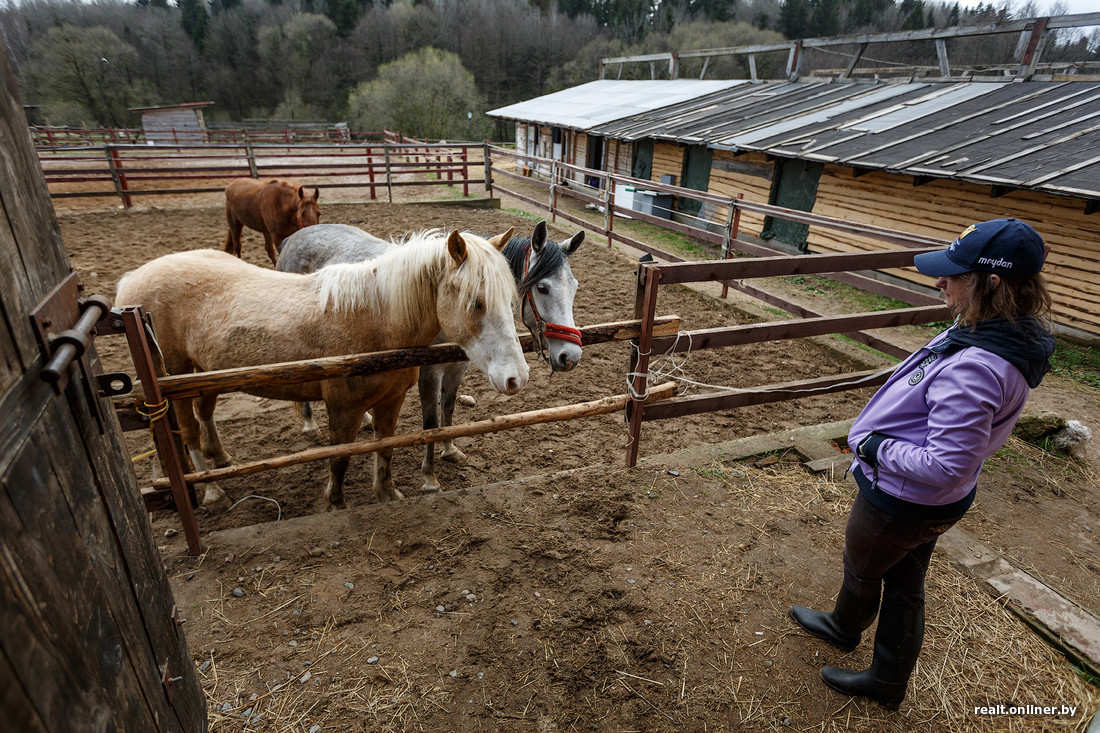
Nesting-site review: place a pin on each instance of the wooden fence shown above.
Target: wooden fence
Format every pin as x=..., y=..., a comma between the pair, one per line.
x=128, y=171
x=214, y=133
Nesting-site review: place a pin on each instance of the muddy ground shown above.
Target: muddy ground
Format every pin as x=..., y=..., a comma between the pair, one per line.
x=549, y=587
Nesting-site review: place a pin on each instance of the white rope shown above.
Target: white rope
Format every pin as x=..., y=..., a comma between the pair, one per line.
x=669, y=368
x=254, y=496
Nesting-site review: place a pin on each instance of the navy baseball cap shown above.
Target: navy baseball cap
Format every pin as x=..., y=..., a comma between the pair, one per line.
x=1000, y=246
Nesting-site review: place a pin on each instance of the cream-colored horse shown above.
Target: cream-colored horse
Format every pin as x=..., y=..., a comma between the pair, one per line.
x=213, y=311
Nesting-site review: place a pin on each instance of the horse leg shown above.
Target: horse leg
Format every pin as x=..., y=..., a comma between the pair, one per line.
x=428, y=385
x=272, y=252
x=451, y=381
x=214, y=499
x=233, y=236
x=304, y=411
x=211, y=442
x=344, y=419
x=385, y=425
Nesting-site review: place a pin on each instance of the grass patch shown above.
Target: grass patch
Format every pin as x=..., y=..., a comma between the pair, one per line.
x=1076, y=362
x=524, y=214
x=864, y=300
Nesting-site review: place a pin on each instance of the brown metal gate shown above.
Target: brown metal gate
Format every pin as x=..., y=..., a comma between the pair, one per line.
x=89, y=636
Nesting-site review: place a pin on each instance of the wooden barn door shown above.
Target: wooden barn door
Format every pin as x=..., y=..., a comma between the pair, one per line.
x=87, y=636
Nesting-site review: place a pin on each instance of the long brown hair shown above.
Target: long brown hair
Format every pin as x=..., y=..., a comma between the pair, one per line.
x=1012, y=298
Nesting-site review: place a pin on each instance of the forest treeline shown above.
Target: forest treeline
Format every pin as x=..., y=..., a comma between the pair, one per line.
x=428, y=67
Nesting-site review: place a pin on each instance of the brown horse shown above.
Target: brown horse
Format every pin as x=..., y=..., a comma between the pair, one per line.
x=213, y=311
x=275, y=208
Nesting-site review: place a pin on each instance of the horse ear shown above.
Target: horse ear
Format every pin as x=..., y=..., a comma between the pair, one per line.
x=301, y=192
x=502, y=239
x=575, y=241
x=456, y=246
x=538, y=237
x=316, y=194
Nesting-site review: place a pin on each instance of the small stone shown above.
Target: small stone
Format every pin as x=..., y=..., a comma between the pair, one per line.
x=481, y=675
x=293, y=642
x=464, y=592
x=440, y=609
x=670, y=472
x=471, y=598
x=315, y=729
x=252, y=697
x=467, y=400
x=277, y=558
x=204, y=666
x=454, y=673
x=372, y=660
x=171, y=532
x=306, y=677
x=768, y=663
x=514, y=622
x=238, y=593
x=349, y=586
x=229, y=557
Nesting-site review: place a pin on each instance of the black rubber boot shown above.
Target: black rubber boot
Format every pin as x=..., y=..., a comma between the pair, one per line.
x=897, y=644
x=844, y=626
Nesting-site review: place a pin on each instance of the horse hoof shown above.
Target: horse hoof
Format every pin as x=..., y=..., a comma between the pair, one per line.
x=331, y=505
x=455, y=456
x=216, y=503
x=430, y=486
x=220, y=461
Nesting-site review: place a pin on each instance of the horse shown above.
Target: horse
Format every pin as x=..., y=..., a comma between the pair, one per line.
x=275, y=208
x=213, y=311
x=546, y=288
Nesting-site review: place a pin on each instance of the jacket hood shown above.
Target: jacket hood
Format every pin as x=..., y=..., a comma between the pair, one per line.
x=1025, y=344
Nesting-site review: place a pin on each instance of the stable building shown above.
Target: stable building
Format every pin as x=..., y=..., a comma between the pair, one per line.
x=174, y=123
x=928, y=157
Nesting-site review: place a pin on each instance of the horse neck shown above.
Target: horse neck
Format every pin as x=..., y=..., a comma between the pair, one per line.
x=392, y=297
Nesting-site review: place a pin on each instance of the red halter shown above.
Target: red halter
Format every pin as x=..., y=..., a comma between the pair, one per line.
x=550, y=330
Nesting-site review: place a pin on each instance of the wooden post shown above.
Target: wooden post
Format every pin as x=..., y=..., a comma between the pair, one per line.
x=465, y=171
x=733, y=224
x=487, y=167
x=252, y=160
x=389, y=172
x=171, y=460
x=118, y=176
x=609, y=207
x=644, y=309
x=370, y=171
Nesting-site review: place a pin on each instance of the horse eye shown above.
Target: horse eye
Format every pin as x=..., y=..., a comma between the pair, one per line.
x=478, y=305
x=543, y=288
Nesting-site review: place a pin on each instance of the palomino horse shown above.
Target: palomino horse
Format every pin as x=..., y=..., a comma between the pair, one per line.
x=213, y=311
x=546, y=288
x=274, y=208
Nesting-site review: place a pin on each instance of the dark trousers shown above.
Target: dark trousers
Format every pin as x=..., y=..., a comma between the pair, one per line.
x=889, y=555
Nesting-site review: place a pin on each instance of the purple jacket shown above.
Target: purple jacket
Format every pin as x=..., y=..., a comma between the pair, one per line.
x=943, y=411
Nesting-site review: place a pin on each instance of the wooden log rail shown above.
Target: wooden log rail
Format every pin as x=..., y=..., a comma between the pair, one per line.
x=312, y=370
x=496, y=424
x=651, y=276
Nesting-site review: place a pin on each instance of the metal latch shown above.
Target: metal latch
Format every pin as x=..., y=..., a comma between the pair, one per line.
x=64, y=326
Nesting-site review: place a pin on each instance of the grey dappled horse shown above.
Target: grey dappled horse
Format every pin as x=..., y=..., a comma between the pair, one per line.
x=546, y=288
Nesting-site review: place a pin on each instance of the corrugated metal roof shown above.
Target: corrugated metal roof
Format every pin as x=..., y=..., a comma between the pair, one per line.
x=1040, y=135
x=597, y=102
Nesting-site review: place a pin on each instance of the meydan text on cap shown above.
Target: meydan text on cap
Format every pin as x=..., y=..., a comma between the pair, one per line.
x=999, y=246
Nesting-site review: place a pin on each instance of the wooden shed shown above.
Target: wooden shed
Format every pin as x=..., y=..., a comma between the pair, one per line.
x=89, y=637
x=928, y=157
x=174, y=123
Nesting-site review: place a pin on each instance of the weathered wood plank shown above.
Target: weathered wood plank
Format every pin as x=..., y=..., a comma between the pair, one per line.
x=18, y=709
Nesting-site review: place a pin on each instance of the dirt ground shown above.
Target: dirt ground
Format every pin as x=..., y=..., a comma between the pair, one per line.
x=550, y=588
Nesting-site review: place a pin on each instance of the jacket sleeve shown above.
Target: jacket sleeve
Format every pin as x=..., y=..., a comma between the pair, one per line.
x=962, y=401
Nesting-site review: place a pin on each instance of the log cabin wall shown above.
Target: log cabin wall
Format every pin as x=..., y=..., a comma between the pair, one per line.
x=668, y=159
x=620, y=157
x=943, y=208
x=749, y=174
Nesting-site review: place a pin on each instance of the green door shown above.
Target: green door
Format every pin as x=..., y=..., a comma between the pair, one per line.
x=643, y=160
x=794, y=187
x=695, y=173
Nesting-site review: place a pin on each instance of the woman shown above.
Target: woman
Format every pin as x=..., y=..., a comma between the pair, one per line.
x=921, y=442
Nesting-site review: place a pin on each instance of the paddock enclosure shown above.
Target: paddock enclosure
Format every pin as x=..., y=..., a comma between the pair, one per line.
x=551, y=588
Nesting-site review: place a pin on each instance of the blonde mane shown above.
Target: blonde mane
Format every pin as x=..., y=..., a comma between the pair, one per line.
x=404, y=280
